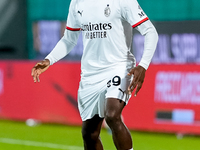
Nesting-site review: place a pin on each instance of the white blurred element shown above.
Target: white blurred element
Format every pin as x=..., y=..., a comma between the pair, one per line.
x=32, y=122
x=183, y=116
x=6, y=15
x=1, y=82
x=177, y=87
x=179, y=136
x=190, y=48
x=184, y=47
x=105, y=125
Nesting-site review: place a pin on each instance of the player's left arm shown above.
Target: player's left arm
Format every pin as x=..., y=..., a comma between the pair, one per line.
x=151, y=38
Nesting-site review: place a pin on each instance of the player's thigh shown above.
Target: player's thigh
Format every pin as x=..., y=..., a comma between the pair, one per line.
x=92, y=126
x=113, y=108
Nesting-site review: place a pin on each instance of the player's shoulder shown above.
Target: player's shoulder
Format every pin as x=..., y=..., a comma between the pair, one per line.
x=73, y=5
x=74, y=2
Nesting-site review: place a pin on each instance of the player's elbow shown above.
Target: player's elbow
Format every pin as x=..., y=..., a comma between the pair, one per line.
x=152, y=33
x=155, y=34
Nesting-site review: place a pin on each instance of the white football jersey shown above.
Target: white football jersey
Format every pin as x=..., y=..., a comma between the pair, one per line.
x=103, y=26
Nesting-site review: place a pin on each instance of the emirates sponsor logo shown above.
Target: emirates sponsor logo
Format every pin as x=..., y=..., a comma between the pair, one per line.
x=96, y=30
x=97, y=26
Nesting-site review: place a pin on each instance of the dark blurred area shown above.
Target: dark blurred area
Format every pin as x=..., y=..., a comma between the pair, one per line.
x=13, y=29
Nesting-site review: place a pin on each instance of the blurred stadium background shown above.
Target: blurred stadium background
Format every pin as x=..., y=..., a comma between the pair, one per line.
x=164, y=116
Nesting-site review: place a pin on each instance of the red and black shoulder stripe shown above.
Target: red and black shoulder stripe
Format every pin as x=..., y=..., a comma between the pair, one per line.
x=73, y=29
x=140, y=22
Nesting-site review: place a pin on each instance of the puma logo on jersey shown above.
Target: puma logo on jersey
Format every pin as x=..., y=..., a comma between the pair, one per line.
x=80, y=12
x=122, y=91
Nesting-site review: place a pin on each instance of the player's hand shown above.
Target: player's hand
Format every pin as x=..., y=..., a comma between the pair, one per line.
x=39, y=68
x=138, y=79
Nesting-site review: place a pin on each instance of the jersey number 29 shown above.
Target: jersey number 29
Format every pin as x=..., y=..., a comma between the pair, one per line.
x=115, y=81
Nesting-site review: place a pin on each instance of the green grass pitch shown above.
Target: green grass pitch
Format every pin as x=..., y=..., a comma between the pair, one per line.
x=19, y=136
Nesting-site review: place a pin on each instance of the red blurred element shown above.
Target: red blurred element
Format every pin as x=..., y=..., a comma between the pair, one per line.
x=166, y=88
x=48, y=101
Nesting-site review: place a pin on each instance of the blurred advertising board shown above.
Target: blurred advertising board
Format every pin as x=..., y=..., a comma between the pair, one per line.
x=169, y=100
x=179, y=43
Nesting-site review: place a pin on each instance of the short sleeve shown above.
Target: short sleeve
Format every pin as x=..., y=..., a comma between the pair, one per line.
x=132, y=12
x=72, y=22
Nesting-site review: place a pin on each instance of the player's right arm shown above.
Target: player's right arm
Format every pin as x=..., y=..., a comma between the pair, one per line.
x=70, y=38
x=63, y=47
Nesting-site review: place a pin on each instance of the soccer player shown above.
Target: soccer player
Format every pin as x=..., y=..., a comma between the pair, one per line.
x=108, y=69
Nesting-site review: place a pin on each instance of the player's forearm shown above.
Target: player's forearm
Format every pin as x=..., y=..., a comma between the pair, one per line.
x=151, y=38
x=63, y=47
